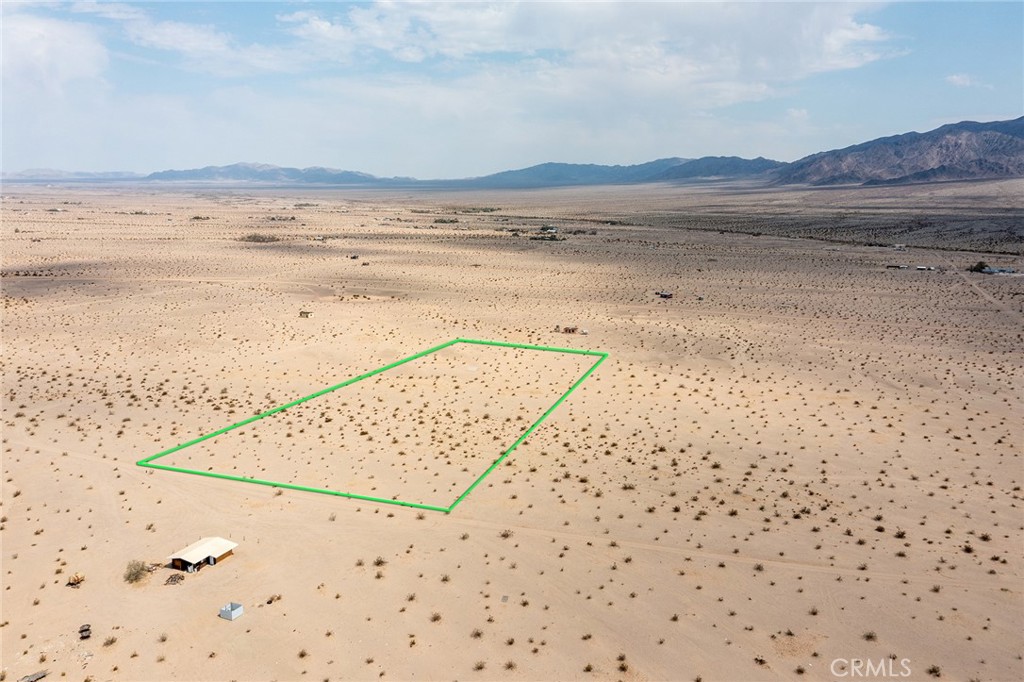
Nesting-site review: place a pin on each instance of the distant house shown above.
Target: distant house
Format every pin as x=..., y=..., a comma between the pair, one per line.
x=663, y=294
x=305, y=313
x=997, y=271
x=232, y=611
x=207, y=551
x=549, y=229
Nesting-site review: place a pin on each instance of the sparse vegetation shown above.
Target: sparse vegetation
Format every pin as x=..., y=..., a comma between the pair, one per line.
x=806, y=458
x=135, y=571
x=256, y=238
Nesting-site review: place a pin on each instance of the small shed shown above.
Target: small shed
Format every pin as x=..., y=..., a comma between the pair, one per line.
x=305, y=313
x=231, y=611
x=206, y=551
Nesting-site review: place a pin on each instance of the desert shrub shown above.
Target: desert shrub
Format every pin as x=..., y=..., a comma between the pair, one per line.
x=135, y=571
x=256, y=238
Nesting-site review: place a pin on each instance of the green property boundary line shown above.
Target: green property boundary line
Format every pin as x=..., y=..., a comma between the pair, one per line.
x=601, y=357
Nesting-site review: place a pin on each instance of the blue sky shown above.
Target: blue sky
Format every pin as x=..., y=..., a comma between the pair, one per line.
x=434, y=90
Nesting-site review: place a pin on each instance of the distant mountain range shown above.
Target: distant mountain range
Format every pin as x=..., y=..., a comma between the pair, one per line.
x=958, y=151
x=261, y=172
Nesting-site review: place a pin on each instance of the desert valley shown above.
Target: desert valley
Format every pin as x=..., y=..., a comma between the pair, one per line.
x=805, y=461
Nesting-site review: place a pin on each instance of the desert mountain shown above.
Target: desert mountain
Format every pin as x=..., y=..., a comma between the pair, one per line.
x=261, y=172
x=674, y=168
x=542, y=175
x=555, y=174
x=717, y=167
x=958, y=151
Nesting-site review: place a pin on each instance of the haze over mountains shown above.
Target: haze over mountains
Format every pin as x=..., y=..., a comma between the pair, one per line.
x=958, y=151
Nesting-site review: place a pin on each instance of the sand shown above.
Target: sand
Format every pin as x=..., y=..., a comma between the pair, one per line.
x=802, y=458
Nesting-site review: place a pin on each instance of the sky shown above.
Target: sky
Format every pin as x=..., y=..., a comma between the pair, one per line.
x=452, y=90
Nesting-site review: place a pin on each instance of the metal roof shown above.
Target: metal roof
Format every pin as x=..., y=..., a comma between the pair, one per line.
x=207, y=547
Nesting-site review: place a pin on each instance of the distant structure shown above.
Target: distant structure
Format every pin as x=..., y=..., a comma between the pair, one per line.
x=549, y=229
x=899, y=247
x=231, y=611
x=663, y=294
x=997, y=271
x=305, y=313
x=207, y=551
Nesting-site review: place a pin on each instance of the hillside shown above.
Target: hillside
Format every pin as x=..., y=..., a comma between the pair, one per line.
x=261, y=172
x=958, y=151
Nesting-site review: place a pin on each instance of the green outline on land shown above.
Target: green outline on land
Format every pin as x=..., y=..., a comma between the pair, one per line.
x=601, y=357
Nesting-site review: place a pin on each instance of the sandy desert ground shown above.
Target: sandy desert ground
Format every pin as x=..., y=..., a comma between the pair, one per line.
x=803, y=463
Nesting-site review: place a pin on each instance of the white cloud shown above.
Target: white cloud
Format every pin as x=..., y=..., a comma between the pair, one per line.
x=616, y=58
x=732, y=48
x=41, y=54
x=963, y=80
x=783, y=41
x=797, y=115
x=203, y=48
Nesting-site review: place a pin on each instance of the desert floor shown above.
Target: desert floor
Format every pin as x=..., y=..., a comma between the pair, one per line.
x=803, y=458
